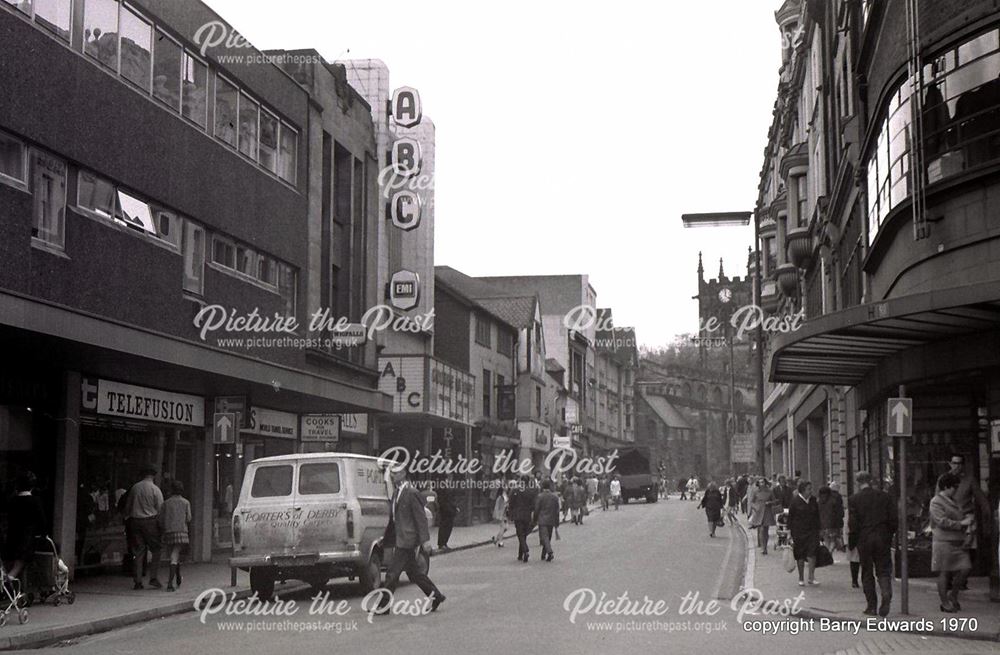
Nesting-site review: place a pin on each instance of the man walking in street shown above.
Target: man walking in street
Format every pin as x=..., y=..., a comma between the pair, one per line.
x=783, y=492
x=447, y=511
x=871, y=525
x=616, y=491
x=142, y=511
x=546, y=514
x=604, y=491
x=521, y=508
x=408, y=533
x=741, y=492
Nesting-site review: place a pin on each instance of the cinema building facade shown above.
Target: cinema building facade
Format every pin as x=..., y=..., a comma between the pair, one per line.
x=880, y=212
x=141, y=181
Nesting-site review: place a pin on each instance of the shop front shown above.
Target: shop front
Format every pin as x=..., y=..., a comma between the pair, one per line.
x=123, y=429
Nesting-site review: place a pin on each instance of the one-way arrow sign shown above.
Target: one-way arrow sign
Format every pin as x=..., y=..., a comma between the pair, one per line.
x=223, y=427
x=900, y=417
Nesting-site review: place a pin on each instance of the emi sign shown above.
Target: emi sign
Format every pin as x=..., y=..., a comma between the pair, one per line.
x=900, y=416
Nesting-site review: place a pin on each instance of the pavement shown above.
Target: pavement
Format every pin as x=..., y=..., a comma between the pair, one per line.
x=108, y=602
x=834, y=599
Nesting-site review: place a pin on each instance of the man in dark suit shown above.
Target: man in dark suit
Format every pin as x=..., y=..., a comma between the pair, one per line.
x=408, y=532
x=783, y=492
x=546, y=514
x=447, y=509
x=521, y=507
x=871, y=525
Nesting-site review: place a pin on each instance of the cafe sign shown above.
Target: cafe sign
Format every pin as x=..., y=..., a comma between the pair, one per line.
x=131, y=401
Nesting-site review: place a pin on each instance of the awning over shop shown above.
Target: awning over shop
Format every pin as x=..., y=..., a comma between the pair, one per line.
x=668, y=413
x=843, y=347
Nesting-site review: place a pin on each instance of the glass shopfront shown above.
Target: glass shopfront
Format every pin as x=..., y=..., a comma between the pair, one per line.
x=113, y=453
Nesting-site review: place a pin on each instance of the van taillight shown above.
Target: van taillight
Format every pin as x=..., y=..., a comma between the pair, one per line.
x=350, y=524
x=236, y=530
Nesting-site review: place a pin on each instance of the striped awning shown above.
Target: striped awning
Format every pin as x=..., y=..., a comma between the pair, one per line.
x=843, y=347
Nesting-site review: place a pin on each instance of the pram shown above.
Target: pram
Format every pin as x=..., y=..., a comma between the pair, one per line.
x=47, y=575
x=781, y=530
x=12, y=599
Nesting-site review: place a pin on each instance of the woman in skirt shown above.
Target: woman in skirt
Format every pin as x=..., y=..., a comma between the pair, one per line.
x=712, y=502
x=175, y=516
x=803, y=523
x=949, y=559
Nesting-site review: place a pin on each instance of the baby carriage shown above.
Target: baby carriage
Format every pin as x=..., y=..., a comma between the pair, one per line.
x=48, y=576
x=781, y=523
x=12, y=599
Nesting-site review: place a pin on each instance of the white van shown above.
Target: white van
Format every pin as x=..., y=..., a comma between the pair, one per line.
x=312, y=517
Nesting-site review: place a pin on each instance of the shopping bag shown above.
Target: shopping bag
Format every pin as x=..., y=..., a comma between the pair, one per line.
x=823, y=556
x=788, y=560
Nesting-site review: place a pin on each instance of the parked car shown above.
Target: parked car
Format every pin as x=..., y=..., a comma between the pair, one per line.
x=313, y=517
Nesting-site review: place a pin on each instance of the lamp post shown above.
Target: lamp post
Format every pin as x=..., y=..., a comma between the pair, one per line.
x=739, y=219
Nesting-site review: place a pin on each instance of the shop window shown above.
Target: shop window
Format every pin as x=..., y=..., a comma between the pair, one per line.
x=194, y=258
x=48, y=188
x=272, y=481
x=289, y=153
x=269, y=127
x=100, y=30
x=249, y=117
x=317, y=479
x=226, y=104
x=12, y=159
x=167, y=56
x=194, y=90
x=136, y=49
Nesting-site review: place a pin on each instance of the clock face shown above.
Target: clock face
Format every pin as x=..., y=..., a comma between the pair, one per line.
x=725, y=295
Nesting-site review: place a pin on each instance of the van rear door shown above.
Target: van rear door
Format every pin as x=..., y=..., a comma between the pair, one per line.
x=267, y=511
x=321, y=494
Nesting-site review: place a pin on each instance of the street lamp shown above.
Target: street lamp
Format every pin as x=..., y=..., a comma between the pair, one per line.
x=738, y=219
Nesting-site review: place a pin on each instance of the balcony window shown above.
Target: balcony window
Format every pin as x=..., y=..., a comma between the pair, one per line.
x=226, y=103
x=48, y=189
x=136, y=49
x=249, y=118
x=55, y=16
x=167, y=56
x=194, y=258
x=100, y=31
x=194, y=90
x=289, y=153
x=269, y=128
x=12, y=159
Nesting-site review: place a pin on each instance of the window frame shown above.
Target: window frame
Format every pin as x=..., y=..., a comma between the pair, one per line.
x=190, y=227
x=187, y=54
x=117, y=64
x=487, y=406
x=219, y=77
x=281, y=154
x=36, y=237
x=159, y=32
x=22, y=183
x=122, y=8
x=487, y=324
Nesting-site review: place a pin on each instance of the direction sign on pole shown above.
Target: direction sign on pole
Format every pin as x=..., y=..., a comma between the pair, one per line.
x=900, y=417
x=224, y=427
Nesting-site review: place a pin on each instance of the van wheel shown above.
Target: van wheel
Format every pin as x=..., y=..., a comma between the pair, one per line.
x=262, y=582
x=370, y=574
x=651, y=498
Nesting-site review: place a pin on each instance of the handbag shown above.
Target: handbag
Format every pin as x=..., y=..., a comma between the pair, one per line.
x=823, y=556
x=788, y=560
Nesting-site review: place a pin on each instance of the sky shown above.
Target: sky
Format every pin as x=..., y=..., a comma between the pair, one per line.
x=571, y=136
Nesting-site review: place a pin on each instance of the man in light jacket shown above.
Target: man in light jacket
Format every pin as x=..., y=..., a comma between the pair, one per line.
x=408, y=533
x=546, y=515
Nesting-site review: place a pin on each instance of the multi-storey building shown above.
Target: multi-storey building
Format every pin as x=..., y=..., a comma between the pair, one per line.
x=143, y=180
x=878, y=201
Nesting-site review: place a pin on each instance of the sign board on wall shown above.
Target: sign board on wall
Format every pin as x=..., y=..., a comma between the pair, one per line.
x=404, y=290
x=451, y=392
x=742, y=448
x=562, y=442
x=273, y=423
x=403, y=379
x=405, y=107
x=320, y=427
x=354, y=424
x=131, y=401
